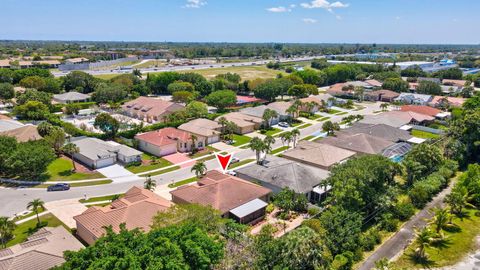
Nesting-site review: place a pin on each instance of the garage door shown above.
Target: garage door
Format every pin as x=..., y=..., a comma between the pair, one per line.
x=213, y=139
x=105, y=162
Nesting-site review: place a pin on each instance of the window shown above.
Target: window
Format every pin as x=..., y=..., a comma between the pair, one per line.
x=200, y=144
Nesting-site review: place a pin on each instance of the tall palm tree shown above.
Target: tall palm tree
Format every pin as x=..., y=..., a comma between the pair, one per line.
x=309, y=106
x=258, y=146
x=194, y=143
x=268, y=141
x=295, y=134
x=457, y=200
x=36, y=205
x=199, y=168
x=292, y=112
x=286, y=137
x=71, y=149
x=149, y=183
x=223, y=122
x=6, y=230
x=423, y=240
x=231, y=129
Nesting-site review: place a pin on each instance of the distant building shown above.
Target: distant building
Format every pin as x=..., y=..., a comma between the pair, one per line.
x=24, y=133
x=452, y=101
x=71, y=97
x=417, y=99
x=42, y=250
x=381, y=95
x=150, y=109
x=397, y=118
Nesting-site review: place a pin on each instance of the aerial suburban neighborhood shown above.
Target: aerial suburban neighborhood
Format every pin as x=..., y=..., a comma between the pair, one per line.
x=257, y=140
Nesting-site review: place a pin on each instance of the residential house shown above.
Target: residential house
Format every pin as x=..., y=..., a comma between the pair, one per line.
x=166, y=141
x=247, y=100
x=281, y=107
x=207, y=131
x=24, y=133
x=42, y=250
x=397, y=118
x=411, y=98
x=319, y=101
x=135, y=209
x=96, y=153
x=235, y=198
x=278, y=173
x=381, y=95
x=9, y=124
x=457, y=83
x=150, y=109
x=318, y=155
x=452, y=101
x=383, y=131
x=245, y=123
x=347, y=89
x=450, y=89
x=258, y=112
x=421, y=109
x=434, y=80
x=360, y=143
x=70, y=97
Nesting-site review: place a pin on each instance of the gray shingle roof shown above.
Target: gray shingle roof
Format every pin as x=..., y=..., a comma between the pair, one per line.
x=95, y=149
x=71, y=96
x=379, y=130
x=283, y=173
x=361, y=143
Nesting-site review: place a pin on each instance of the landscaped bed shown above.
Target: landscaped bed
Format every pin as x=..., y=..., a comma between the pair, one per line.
x=149, y=163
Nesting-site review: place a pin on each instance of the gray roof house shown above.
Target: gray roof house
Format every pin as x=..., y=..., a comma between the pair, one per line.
x=360, y=143
x=70, y=97
x=43, y=250
x=277, y=173
x=383, y=131
x=410, y=98
x=6, y=125
x=96, y=153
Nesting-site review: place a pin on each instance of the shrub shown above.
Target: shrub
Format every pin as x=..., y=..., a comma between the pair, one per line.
x=313, y=211
x=270, y=208
x=388, y=222
x=370, y=238
x=404, y=210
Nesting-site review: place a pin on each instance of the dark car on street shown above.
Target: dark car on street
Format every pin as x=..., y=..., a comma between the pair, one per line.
x=58, y=187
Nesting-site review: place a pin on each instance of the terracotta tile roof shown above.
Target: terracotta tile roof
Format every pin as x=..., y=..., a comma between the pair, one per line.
x=151, y=107
x=222, y=192
x=4, y=117
x=248, y=99
x=459, y=83
x=426, y=110
x=241, y=120
x=453, y=101
x=136, y=209
x=164, y=136
x=42, y=251
x=23, y=134
x=374, y=83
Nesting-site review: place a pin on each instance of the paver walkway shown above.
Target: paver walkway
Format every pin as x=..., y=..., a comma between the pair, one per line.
x=394, y=246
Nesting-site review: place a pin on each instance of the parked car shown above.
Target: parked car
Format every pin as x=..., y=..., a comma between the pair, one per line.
x=58, y=187
x=283, y=124
x=232, y=173
x=234, y=160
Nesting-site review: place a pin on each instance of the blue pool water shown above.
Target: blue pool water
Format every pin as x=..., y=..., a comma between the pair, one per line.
x=397, y=159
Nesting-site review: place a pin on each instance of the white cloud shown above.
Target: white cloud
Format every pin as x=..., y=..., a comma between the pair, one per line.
x=309, y=20
x=324, y=4
x=195, y=3
x=338, y=17
x=279, y=9
x=398, y=18
x=293, y=6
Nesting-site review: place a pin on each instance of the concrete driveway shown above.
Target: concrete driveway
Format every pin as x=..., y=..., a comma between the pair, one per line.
x=118, y=173
x=65, y=210
x=181, y=159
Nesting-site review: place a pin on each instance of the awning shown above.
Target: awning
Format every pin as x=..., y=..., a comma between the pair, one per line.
x=416, y=140
x=248, y=208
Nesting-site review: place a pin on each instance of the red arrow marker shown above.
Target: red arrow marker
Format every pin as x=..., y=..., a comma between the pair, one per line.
x=224, y=160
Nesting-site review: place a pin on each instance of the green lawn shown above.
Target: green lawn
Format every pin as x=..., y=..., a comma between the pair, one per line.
x=457, y=245
x=271, y=131
x=159, y=163
x=278, y=150
x=333, y=111
x=208, y=151
x=99, y=199
x=27, y=215
x=240, y=139
x=323, y=119
x=304, y=126
x=165, y=171
x=29, y=227
x=240, y=163
x=341, y=113
x=424, y=134
x=310, y=116
x=183, y=182
x=308, y=138
x=61, y=170
x=296, y=124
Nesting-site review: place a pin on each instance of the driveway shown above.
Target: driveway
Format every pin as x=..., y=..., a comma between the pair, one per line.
x=180, y=159
x=118, y=174
x=65, y=210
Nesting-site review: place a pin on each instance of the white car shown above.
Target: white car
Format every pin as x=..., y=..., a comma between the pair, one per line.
x=232, y=173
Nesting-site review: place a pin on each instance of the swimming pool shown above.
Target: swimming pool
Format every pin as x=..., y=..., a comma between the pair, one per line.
x=397, y=158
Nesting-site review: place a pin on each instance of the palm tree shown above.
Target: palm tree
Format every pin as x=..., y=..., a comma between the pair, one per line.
x=384, y=106
x=199, y=168
x=441, y=219
x=36, y=205
x=258, y=146
x=286, y=137
x=115, y=197
x=268, y=141
x=149, y=183
x=423, y=240
x=223, y=122
x=6, y=230
x=231, y=129
x=330, y=128
x=137, y=73
x=267, y=116
x=295, y=134
x=71, y=149
x=292, y=111
x=359, y=91
x=457, y=200
x=309, y=106
x=194, y=145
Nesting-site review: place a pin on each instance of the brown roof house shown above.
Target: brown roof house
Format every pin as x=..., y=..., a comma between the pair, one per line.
x=150, y=109
x=360, y=143
x=235, y=198
x=166, y=141
x=278, y=173
x=245, y=123
x=381, y=95
x=323, y=156
x=206, y=130
x=397, y=118
x=23, y=134
x=43, y=250
x=421, y=109
x=136, y=209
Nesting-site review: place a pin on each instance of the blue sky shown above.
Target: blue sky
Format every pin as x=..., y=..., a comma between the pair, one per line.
x=312, y=21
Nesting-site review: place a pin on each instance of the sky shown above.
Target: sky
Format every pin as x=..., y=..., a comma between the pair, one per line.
x=293, y=21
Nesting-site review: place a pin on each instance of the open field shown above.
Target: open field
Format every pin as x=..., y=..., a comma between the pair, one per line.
x=245, y=72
